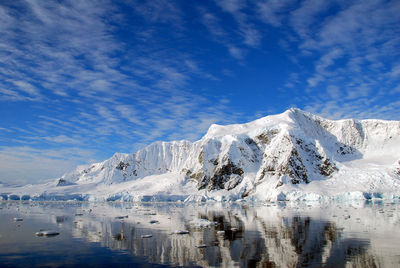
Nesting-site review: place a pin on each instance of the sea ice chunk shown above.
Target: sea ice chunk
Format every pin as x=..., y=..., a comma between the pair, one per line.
x=181, y=232
x=47, y=233
x=201, y=223
x=147, y=236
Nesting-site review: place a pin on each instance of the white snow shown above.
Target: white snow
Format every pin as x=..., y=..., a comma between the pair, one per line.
x=293, y=156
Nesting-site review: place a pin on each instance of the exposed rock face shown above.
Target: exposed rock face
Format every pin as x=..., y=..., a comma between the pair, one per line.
x=122, y=166
x=225, y=176
x=62, y=182
x=397, y=169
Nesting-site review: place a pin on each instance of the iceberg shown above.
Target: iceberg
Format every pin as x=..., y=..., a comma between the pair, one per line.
x=47, y=233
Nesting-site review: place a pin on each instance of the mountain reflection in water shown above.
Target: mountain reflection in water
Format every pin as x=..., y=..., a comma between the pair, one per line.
x=272, y=235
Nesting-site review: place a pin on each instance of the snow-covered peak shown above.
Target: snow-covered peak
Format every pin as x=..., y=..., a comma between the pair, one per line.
x=259, y=125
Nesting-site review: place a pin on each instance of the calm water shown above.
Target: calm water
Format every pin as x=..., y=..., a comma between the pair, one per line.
x=273, y=235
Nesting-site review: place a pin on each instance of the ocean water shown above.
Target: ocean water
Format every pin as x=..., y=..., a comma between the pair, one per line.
x=358, y=234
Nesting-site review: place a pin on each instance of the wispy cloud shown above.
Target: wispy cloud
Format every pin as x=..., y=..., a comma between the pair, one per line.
x=213, y=25
x=163, y=11
x=251, y=36
x=68, y=54
x=236, y=40
x=352, y=55
x=273, y=12
x=17, y=161
x=303, y=19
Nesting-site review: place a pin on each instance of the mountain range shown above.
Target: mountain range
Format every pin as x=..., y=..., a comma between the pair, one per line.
x=293, y=156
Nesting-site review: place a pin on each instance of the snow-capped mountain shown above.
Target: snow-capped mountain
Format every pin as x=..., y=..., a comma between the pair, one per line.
x=290, y=156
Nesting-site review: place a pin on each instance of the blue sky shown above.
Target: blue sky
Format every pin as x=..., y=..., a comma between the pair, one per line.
x=80, y=80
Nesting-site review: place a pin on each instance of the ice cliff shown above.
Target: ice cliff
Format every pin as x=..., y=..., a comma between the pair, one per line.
x=290, y=156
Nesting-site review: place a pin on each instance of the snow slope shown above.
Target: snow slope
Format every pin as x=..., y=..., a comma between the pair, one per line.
x=290, y=156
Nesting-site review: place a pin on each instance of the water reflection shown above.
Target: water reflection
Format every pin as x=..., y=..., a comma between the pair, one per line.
x=274, y=235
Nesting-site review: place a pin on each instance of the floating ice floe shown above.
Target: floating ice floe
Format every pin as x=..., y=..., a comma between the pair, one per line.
x=47, y=233
x=147, y=236
x=121, y=217
x=181, y=232
x=201, y=223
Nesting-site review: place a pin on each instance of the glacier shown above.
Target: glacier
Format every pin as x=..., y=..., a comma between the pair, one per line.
x=293, y=156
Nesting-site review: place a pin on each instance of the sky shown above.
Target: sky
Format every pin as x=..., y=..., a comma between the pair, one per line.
x=81, y=80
